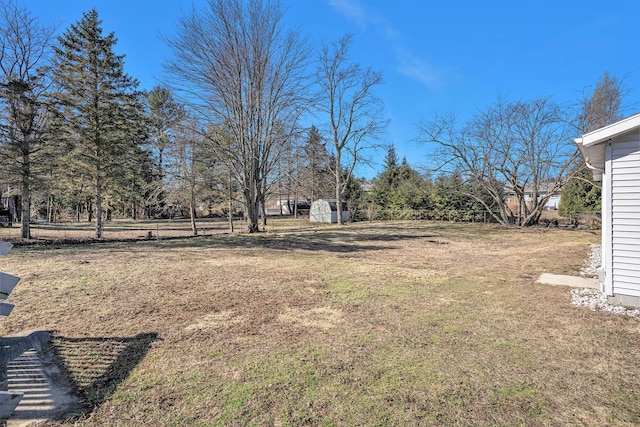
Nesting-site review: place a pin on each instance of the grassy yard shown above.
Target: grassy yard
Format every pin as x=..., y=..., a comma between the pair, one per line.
x=416, y=323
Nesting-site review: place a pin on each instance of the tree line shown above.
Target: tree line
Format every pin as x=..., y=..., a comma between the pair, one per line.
x=78, y=137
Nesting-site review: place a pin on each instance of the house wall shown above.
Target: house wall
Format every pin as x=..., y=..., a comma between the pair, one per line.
x=624, y=186
x=553, y=202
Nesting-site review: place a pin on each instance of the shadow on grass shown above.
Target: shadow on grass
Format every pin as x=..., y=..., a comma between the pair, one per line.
x=338, y=240
x=96, y=367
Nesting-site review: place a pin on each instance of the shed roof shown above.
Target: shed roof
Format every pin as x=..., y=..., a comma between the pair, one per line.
x=592, y=144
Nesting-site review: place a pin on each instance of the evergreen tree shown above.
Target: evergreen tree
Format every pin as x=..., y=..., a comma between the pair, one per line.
x=102, y=111
x=456, y=200
x=400, y=186
x=580, y=194
x=316, y=180
x=412, y=189
x=391, y=158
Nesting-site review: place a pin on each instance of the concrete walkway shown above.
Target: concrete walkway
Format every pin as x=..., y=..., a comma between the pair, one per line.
x=32, y=371
x=571, y=281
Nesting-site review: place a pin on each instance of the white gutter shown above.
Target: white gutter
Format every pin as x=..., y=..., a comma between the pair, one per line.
x=585, y=154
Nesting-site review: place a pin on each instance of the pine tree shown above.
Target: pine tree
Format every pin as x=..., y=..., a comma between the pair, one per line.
x=391, y=158
x=399, y=186
x=317, y=182
x=581, y=194
x=101, y=109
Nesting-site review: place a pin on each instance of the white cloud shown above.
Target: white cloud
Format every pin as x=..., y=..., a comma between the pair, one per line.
x=351, y=10
x=408, y=63
x=418, y=69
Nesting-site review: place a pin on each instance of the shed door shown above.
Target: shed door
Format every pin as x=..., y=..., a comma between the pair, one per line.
x=625, y=215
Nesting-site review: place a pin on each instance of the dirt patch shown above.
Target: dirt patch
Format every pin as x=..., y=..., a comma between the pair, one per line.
x=323, y=318
x=221, y=320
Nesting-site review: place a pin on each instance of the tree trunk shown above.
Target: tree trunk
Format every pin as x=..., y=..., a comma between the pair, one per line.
x=99, y=227
x=89, y=211
x=230, y=204
x=51, y=210
x=252, y=199
x=338, y=189
x=192, y=211
x=263, y=203
x=230, y=217
x=252, y=216
x=25, y=229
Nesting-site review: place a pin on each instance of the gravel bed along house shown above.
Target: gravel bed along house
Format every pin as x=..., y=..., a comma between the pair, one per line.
x=593, y=262
x=593, y=298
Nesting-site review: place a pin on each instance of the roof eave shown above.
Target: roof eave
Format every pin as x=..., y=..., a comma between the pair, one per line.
x=608, y=132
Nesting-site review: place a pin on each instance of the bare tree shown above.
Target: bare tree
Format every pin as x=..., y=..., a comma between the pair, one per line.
x=354, y=112
x=24, y=53
x=165, y=117
x=183, y=167
x=237, y=67
x=603, y=106
x=522, y=148
x=597, y=109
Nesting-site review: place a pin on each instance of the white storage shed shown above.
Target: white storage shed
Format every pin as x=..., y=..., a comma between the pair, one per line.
x=613, y=153
x=326, y=211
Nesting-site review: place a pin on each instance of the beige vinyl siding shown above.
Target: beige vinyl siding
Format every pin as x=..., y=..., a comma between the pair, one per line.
x=625, y=216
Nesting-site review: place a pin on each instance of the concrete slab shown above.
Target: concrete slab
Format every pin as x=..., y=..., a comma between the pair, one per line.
x=28, y=366
x=571, y=281
x=47, y=394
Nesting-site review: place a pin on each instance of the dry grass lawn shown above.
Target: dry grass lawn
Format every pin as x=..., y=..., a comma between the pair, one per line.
x=414, y=323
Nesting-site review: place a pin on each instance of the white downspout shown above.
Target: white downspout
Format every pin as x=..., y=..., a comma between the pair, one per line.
x=606, y=237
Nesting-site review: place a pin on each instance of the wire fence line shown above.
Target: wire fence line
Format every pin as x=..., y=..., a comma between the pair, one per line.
x=119, y=229
x=181, y=227
x=485, y=216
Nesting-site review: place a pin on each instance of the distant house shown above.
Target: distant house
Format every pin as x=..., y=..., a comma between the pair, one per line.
x=613, y=154
x=286, y=207
x=367, y=187
x=289, y=207
x=543, y=190
x=327, y=211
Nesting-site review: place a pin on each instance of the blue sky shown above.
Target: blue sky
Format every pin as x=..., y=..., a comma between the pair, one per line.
x=437, y=56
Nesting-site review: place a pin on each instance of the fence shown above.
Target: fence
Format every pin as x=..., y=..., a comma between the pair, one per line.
x=409, y=214
x=119, y=229
x=548, y=217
